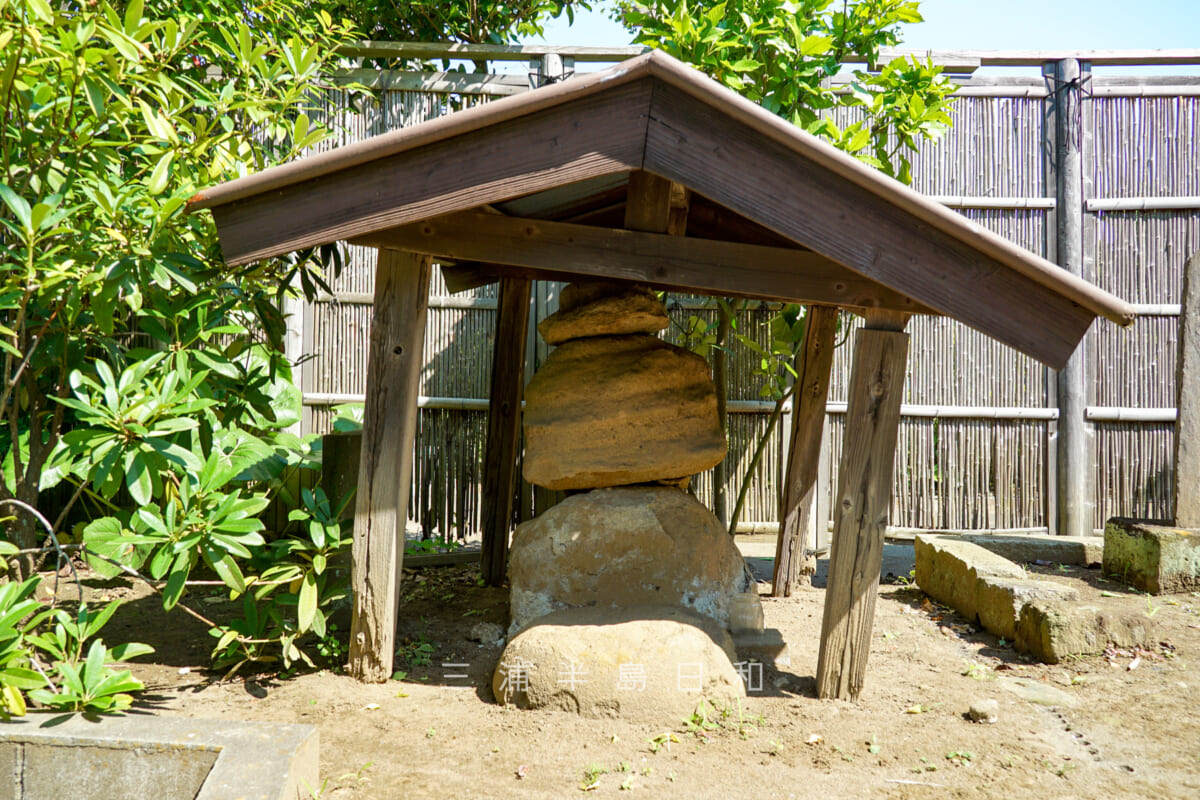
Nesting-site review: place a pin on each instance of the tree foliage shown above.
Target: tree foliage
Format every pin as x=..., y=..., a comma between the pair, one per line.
x=111, y=121
x=472, y=21
x=782, y=54
x=136, y=364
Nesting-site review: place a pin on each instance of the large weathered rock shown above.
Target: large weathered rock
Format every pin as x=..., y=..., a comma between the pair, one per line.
x=618, y=410
x=625, y=547
x=612, y=310
x=580, y=293
x=1052, y=631
x=1154, y=558
x=645, y=663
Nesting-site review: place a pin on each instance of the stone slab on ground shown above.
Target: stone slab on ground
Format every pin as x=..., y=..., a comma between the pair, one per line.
x=950, y=570
x=1000, y=600
x=1152, y=557
x=1085, y=551
x=1035, y=613
x=169, y=758
x=1037, y=692
x=766, y=646
x=645, y=663
x=1053, y=631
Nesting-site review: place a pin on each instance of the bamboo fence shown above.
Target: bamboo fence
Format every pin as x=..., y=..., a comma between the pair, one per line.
x=977, y=440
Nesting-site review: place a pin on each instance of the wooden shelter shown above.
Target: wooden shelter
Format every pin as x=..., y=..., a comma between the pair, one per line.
x=647, y=172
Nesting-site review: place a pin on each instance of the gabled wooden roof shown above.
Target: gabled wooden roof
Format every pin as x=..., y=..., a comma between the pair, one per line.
x=532, y=182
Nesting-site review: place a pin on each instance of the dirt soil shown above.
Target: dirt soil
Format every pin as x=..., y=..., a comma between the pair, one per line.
x=1122, y=725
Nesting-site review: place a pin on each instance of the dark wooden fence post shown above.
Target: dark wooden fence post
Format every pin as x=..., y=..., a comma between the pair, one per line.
x=1186, y=500
x=1075, y=484
x=504, y=426
x=813, y=364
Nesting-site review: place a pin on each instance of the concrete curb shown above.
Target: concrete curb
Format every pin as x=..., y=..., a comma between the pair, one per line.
x=136, y=756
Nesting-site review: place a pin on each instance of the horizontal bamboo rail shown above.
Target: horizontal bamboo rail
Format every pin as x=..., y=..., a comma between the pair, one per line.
x=952, y=60
x=1116, y=414
x=1002, y=203
x=1143, y=203
x=430, y=51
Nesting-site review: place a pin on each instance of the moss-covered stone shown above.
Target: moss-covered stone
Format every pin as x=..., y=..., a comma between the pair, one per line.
x=1152, y=557
x=1052, y=631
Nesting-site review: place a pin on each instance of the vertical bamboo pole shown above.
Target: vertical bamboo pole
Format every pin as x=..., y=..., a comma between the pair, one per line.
x=385, y=465
x=813, y=364
x=504, y=425
x=860, y=517
x=1074, y=474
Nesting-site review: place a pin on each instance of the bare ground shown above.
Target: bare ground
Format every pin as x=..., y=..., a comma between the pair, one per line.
x=1124, y=725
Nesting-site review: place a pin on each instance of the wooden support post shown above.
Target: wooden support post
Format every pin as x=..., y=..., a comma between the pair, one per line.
x=813, y=364
x=1186, y=503
x=504, y=426
x=385, y=467
x=1074, y=469
x=860, y=517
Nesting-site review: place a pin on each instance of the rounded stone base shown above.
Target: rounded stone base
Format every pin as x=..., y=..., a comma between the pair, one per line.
x=645, y=663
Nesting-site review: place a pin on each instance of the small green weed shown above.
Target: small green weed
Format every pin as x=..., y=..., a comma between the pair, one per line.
x=591, y=776
x=663, y=740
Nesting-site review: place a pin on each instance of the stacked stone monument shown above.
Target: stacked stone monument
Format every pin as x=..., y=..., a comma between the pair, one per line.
x=630, y=575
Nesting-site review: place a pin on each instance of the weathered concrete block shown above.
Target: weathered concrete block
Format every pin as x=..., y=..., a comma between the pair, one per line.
x=948, y=570
x=1000, y=600
x=1052, y=631
x=1084, y=551
x=1154, y=558
x=138, y=756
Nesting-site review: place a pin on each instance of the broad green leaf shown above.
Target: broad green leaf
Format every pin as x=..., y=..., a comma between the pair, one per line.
x=128, y=650
x=813, y=45
x=160, y=175
x=133, y=16
x=306, y=608
x=176, y=580
x=18, y=206
x=138, y=479
x=861, y=139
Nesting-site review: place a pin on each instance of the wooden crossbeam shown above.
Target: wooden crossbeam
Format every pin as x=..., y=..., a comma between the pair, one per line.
x=683, y=263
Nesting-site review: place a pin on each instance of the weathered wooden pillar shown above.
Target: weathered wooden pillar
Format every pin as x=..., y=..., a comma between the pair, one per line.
x=813, y=364
x=1074, y=492
x=385, y=468
x=1186, y=483
x=504, y=425
x=863, y=496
